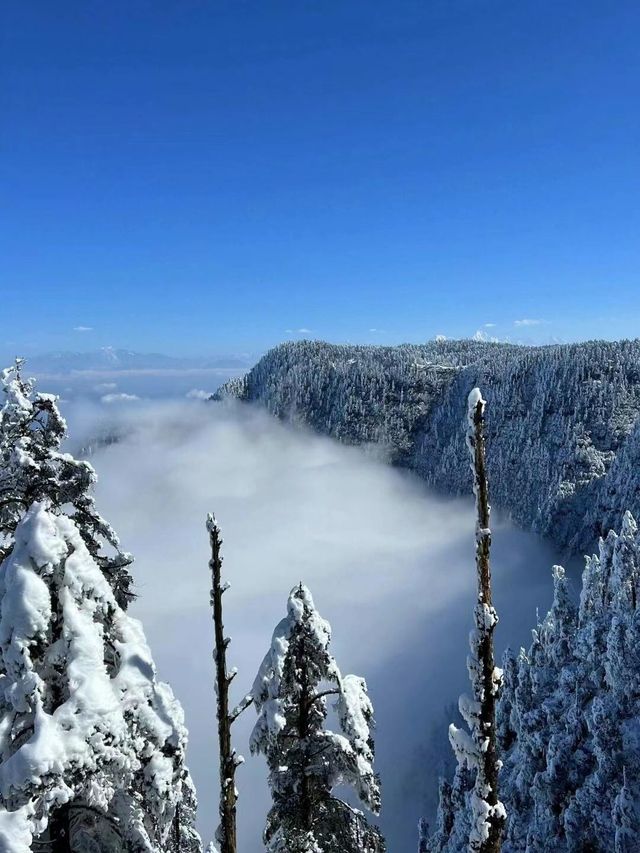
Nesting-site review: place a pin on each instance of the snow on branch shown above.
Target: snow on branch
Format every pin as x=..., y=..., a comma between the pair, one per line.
x=477, y=749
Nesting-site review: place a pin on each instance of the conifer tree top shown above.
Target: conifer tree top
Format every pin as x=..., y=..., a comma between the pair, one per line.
x=33, y=468
x=82, y=716
x=306, y=759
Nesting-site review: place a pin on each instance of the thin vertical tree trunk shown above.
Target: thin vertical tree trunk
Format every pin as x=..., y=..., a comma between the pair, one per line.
x=59, y=831
x=306, y=808
x=488, y=682
x=229, y=761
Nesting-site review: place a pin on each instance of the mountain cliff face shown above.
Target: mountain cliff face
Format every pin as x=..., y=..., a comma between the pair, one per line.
x=357, y=394
x=563, y=420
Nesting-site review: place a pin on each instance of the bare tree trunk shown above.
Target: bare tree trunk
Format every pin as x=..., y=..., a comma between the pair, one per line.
x=59, y=831
x=306, y=807
x=488, y=681
x=229, y=761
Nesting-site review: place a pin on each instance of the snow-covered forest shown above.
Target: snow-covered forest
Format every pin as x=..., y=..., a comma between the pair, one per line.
x=564, y=430
x=568, y=720
x=93, y=745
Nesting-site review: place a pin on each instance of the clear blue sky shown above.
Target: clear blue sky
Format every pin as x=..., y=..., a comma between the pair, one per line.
x=194, y=177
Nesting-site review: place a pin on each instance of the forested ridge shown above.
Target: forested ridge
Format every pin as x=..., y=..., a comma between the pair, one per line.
x=564, y=432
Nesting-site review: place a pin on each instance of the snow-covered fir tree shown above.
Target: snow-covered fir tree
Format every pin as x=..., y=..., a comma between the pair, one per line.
x=33, y=468
x=306, y=759
x=626, y=820
x=569, y=717
x=423, y=835
x=92, y=746
x=453, y=820
x=434, y=751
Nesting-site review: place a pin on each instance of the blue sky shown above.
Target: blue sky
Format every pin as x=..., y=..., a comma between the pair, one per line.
x=200, y=177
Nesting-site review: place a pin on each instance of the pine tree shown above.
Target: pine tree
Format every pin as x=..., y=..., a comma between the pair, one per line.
x=306, y=760
x=92, y=746
x=423, y=832
x=506, y=709
x=555, y=678
x=523, y=760
x=626, y=820
x=444, y=821
x=577, y=710
x=226, y=835
x=569, y=718
x=453, y=822
x=183, y=837
x=33, y=468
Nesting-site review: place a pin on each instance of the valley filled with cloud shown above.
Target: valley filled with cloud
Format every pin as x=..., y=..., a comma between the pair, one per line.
x=390, y=565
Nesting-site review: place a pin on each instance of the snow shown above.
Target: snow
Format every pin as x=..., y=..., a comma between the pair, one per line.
x=109, y=726
x=15, y=831
x=326, y=758
x=475, y=397
x=355, y=711
x=567, y=720
x=83, y=719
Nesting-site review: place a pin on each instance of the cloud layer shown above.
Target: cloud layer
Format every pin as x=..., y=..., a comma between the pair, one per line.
x=390, y=566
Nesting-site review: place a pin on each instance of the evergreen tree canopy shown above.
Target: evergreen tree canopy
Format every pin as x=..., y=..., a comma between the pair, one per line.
x=33, y=468
x=92, y=746
x=83, y=721
x=569, y=719
x=306, y=760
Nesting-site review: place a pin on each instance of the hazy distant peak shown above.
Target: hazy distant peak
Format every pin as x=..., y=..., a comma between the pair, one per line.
x=111, y=358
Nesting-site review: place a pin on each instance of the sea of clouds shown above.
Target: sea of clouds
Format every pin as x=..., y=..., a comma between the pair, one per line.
x=390, y=565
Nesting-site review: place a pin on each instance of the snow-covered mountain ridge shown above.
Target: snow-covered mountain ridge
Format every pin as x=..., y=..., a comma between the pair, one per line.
x=112, y=359
x=564, y=420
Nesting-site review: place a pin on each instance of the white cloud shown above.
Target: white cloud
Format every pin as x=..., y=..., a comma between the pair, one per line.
x=368, y=540
x=83, y=328
x=105, y=386
x=301, y=331
x=119, y=398
x=198, y=394
x=489, y=325
x=528, y=322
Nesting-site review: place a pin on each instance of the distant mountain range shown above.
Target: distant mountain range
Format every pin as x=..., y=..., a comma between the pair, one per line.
x=111, y=359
